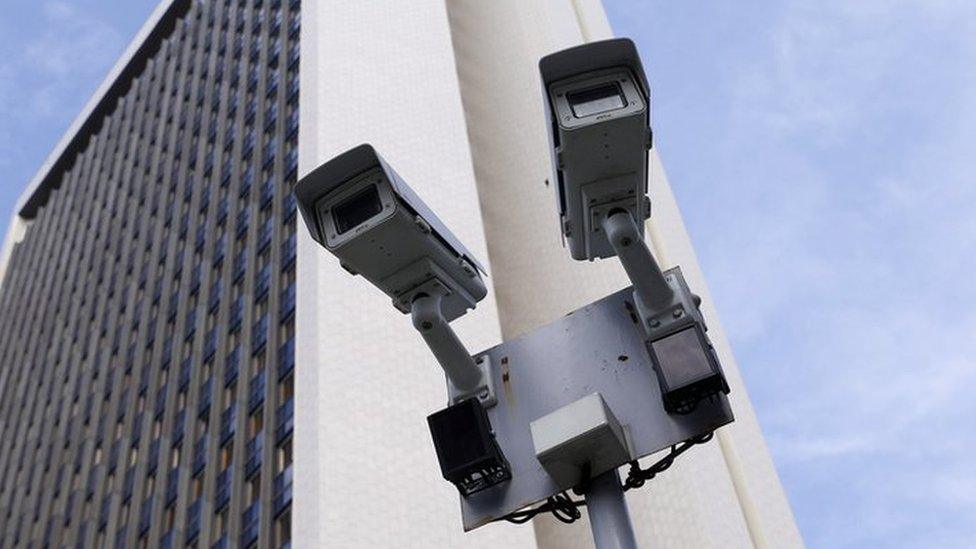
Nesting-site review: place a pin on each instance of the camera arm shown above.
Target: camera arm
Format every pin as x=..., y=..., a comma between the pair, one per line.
x=651, y=290
x=469, y=377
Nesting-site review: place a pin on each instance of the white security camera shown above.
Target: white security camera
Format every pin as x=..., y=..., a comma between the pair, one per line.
x=598, y=105
x=598, y=108
x=362, y=212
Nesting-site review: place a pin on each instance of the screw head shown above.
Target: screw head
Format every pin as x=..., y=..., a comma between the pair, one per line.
x=677, y=313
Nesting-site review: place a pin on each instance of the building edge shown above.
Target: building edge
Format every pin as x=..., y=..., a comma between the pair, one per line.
x=140, y=49
x=16, y=229
x=142, y=46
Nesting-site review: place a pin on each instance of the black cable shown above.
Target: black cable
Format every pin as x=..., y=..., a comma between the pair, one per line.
x=562, y=506
x=636, y=477
x=566, y=509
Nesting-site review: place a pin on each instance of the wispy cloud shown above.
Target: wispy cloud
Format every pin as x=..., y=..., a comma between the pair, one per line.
x=7, y=140
x=47, y=69
x=866, y=301
x=72, y=45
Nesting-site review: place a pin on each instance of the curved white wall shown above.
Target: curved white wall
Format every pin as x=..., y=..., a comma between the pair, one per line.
x=365, y=470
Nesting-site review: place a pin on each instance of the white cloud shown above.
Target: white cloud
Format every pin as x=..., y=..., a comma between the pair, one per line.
x=858, y=218
x=72, y=42
x=70, y=46
x=49, y=66
x=7, y=141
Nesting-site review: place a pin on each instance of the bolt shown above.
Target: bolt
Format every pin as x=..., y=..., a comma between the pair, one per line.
x=677, y=313
x=655, y=323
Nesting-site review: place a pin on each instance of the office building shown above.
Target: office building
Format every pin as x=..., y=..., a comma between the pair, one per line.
x=148, y=308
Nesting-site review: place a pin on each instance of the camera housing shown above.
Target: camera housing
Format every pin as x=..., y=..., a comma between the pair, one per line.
x=598, y=110
x=683, y=357
x=364, y=213
x=467, y=451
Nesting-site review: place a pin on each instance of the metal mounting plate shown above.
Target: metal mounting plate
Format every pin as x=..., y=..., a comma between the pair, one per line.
x=598, y=348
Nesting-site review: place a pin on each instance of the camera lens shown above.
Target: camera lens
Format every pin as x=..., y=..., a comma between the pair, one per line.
x=600, y=99
x=356, y=210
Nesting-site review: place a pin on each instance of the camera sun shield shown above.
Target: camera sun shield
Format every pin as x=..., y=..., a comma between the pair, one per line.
x=466, y=448
x=364, y=213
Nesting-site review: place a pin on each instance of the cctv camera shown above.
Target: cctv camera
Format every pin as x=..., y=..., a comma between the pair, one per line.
x=362, y=212
x=684, y=359
x=598, y=105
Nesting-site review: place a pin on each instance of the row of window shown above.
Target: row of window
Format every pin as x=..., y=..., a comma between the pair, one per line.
x=111, y=285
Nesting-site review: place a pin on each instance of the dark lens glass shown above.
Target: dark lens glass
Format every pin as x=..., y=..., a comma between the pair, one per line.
x=357, y=209
x=596, y=100
x=682, y=358
x=460, y=426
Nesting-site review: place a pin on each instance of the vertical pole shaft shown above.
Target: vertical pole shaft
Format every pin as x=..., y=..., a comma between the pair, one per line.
x=609, y=517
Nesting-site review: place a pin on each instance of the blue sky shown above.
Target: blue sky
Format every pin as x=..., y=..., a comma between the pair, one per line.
x=821, y=153
x=53, y=54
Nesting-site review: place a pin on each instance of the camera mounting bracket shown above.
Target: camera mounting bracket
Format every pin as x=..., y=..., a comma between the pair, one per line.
x=651, y=291
x=466, y=377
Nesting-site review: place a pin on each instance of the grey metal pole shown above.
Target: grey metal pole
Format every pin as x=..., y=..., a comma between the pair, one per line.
x=609, y=517
x=644, y=273
x=452, y=355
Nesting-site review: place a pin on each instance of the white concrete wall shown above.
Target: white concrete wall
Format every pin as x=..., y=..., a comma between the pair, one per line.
x=726, y=494
x=365, y=470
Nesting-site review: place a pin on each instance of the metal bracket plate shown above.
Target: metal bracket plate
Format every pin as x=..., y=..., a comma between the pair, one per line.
x=682, y=312
x=485, y=392
x=598, y=348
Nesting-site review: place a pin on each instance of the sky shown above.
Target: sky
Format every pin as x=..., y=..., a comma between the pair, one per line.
x=821, y=154
x=53, y=55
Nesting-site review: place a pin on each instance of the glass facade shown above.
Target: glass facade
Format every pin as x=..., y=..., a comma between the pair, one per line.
x=147, y=317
